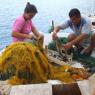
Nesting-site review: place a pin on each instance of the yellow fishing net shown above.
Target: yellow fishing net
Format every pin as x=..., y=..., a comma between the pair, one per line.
x=24, y=63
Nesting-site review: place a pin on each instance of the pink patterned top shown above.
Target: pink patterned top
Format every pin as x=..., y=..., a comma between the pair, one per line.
x=22, y=26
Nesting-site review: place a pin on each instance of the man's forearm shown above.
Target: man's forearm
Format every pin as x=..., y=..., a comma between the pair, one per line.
x=56, y=29
x=78, y=39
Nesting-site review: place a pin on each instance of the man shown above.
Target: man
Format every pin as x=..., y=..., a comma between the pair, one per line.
x=81, y=34
x=23, y=26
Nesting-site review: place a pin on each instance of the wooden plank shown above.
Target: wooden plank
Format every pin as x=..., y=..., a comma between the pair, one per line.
x=92, y=84
x=84, y=87
x=32, y=89
x=66, y=89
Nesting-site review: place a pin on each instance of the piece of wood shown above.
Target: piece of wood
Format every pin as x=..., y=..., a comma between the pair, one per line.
x=84, y=87
x=92, y=84
x=32, y=89
x=66, y=89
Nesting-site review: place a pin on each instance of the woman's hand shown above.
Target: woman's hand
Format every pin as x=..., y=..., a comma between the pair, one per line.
x=30, y=36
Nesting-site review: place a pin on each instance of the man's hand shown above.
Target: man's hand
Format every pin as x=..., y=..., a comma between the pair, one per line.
x=68, y=46
x=54, y=36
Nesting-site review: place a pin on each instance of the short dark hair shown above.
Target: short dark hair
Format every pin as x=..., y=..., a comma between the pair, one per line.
x=30, y=8
x=74, y=12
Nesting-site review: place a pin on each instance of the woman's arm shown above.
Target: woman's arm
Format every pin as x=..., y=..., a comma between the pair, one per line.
x=34, y=30
x=20, y=35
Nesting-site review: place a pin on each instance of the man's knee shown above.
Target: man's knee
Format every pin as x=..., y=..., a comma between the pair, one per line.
x=71, y=37
x=93, y=37
x=93, y=40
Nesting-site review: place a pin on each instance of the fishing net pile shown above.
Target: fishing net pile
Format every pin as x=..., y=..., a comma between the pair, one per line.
x=88, y=61
x=25, y=63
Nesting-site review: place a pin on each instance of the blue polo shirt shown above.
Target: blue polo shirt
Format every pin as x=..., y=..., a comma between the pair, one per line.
x=83, y=27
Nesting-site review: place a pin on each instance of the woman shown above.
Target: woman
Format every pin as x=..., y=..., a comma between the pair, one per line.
x=23, y=26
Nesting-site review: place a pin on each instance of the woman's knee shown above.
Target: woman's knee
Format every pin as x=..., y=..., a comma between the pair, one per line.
x=42, y=36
